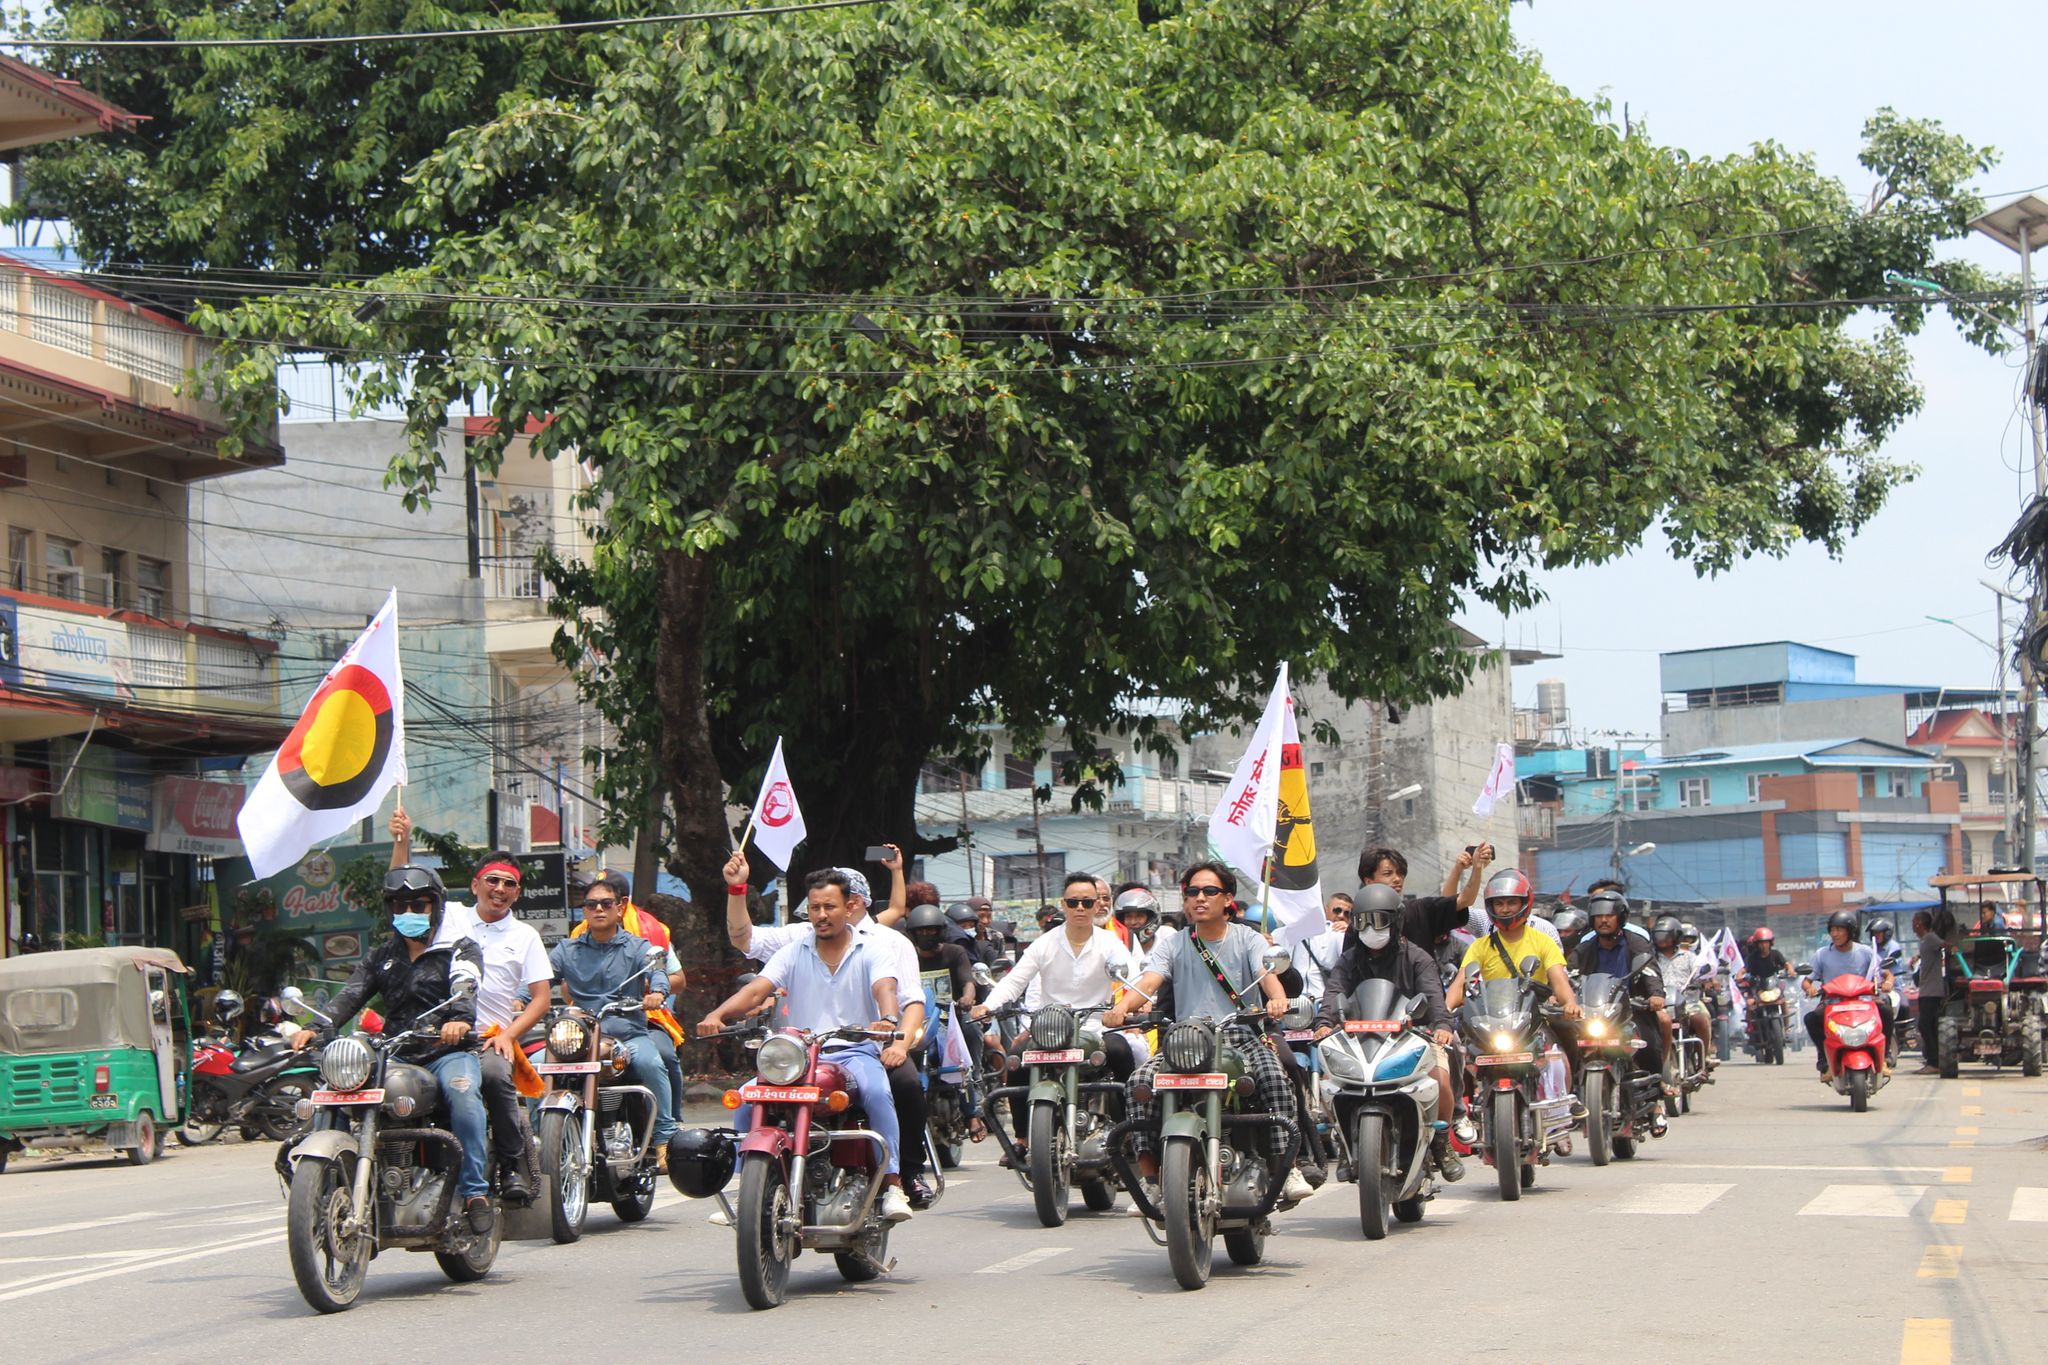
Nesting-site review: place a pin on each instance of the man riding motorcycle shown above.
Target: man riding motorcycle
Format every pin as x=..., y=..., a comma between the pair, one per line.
x=1680, y=969
x=409, y=975
x=1611, y=949
x=1138, y=912
x=1213, y=967
x=1844, y=956
x=1571, y=924
x=605, y=963
x=1373, y=949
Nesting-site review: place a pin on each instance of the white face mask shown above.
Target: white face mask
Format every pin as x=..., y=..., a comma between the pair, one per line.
x=1375, y=939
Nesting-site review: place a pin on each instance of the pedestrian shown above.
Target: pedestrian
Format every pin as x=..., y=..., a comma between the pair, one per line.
x=1933, y=991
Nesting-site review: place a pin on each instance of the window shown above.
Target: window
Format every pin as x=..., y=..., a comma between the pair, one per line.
x=114, y=576
x=1019, y=771
x=1753, y=788
x=1315, y=770
x=938, y=778
x=1025, y=877
x=1867, y=781
x=1896, y=783
x=1959, y=773
x=152, y=586
x=21, y=554
x=62, y=576
x=1694, y=791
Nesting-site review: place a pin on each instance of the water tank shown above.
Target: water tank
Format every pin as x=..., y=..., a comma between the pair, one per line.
x=1550, y=701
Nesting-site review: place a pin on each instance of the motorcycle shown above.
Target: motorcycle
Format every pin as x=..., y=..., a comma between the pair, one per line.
x=1765, y=1003
x=1072, y=1105
x=1685, y=1060
x=1852, y=1031
x=949, y=1087
x=810, y=1173
x=256, y=1089
x=1384, y=1101
x=1298, y=1035
x=1518, y=1128
x=358, y=1187
x=595, y=1128
x=1619, y=1101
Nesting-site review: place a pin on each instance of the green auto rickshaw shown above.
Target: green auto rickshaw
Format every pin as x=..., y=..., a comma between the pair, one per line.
x=95, y=1051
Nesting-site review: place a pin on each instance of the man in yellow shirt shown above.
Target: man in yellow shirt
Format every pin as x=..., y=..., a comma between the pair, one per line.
x=1509, y=900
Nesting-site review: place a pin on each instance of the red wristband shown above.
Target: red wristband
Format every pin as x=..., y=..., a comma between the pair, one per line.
x=739, y=890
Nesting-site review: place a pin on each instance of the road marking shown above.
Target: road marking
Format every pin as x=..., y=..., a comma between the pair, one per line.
x=1962, y=1144
x=1926, y=1342
x=1966, y=1130
x=1971, y=1092
x=1973, y=1111
x=130, y=1268
x=1864, y=1201
x=115, y=1221
x=1956, y=1175
x=2029, y=1204
x=1025, y=1261
x=1950, y=1212
x=1865, y=1169
x=245, y=1219
x=1939, y=1263
x=1681, y=1200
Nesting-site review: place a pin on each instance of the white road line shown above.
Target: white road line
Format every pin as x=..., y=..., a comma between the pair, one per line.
x=1679, y=1200
x=1856, y=1170
x=1864, y=1201
x=1028, y=1259
x=2029, y=1204
x=227, y=1222
x=87, y=1277
x=115, y=1221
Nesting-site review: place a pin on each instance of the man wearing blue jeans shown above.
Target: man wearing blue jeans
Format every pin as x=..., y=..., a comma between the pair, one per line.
x=604, y=964
x=832, y=979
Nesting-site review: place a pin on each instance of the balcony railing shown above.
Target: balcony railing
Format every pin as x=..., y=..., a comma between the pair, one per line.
x=515, y=578
x=158, y=667
x=93, y=589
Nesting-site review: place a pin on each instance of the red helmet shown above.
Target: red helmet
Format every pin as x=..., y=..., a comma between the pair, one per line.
x=1763, y=936
x=1509, y=884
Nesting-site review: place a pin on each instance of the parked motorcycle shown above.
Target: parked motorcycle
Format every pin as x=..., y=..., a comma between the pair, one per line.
x=1852, y=1032
x=1072, y=1104
x=364, y=1180
x=1619, y=1101
x=256, y=1088
x=1517, y=1126
x=810, y=1172
x=1383, y=1100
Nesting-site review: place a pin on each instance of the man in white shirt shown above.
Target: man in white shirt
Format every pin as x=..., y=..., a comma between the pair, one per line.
x=1315, y=956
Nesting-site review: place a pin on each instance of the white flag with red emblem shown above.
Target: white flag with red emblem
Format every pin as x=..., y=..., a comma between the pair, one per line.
x=777, y=822
x=1499, y=782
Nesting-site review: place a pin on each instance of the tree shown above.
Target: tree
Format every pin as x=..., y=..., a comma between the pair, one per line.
x=947, y=363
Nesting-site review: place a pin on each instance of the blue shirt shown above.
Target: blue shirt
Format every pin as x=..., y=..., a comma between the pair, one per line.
x=819, y=997
x=1858, y=959
x=593, y=972
x=1614, y=961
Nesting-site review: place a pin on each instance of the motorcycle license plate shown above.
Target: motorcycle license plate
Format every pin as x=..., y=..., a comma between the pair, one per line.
x=1054, y=1058
x=1504, y=1059
x=103, y=1102
x=1301, y=1035
x=1167, y=1080
x=1989, y=1047
x=348, y=1097
x=1372, y=1026
x=565, y=1068
x=780, y=1094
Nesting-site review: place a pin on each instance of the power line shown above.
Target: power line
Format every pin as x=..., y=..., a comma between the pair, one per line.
x=434, y=35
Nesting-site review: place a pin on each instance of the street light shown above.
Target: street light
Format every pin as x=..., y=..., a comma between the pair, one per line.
x=1640, y=849
x=1412, y=789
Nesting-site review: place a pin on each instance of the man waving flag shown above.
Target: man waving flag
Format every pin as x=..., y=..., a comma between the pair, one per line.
x=1263, y=828
x=336, y=765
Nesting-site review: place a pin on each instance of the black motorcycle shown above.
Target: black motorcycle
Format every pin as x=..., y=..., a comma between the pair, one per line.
x=1620, y=1100
x=255, y=1088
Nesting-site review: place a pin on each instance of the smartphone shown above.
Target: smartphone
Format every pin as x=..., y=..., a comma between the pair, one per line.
x=876, y=853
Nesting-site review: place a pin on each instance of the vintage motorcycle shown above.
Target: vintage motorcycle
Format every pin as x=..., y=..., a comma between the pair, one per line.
x=373, y=1174
x=1072, y=1105
x=1383, y=1099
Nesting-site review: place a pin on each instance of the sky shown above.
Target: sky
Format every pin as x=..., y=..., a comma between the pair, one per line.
x=1714, y=80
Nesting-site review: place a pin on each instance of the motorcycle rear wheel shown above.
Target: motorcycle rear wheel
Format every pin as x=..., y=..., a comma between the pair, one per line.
x=1370, y=1154
x=855, y=1269
x=1503, y=1140
x=1408, y=1210
x=1051, y=1164
x=1247, y=1246
x=278, y=1120
x=1859, y=1092
x=1624, y=1147
x=329, y=1272
x=1190, y=1222
x=1098, y=1195
x=567, y=1172
x=636, y=1198
x=473, y=1263
x=764, y=1252
x=1599, y=1123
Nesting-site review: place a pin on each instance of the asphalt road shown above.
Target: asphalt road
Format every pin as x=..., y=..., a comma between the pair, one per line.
x=1770, y=1221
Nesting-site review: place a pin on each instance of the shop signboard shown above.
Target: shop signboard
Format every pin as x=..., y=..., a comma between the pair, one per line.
x=72, y=652
x=98, y=786
x=544, y=894
x=194, y=816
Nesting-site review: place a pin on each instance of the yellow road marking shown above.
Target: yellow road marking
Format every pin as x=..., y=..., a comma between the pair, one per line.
x=1963, y=1142
x=1973, y=1111
x=1966, y=1130
x=1956, y=1175
x=1940, y=1262
x=1971, y=1092
x=1926, y=1342
x=1950, y=1211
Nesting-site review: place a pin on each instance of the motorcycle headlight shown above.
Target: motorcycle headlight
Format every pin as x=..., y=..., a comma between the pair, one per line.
x=1053, y=1028
x=782, y=1060
x=1400, y=1063
x=568, y=1039
x=345, y=1064
x=1596, y=1028
x=1855, y=1035
x=1190, y=1047
x=1503, y=1042
x=1340, y=1061
x=1301, y=1012
x=1769, y=997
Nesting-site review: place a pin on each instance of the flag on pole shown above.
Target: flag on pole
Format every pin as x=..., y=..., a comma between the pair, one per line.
x=777, y=822
x=1263, y=826
x=336, y=765
x=1499, y=782
x=1729, y=952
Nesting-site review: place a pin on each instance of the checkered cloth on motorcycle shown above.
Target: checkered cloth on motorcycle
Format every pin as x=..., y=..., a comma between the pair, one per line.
x=1275, y=1097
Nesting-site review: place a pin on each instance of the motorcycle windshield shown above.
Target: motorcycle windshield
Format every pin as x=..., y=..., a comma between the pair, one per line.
x=1373, y=1000
x=1498, y=1005
x=1603, y=993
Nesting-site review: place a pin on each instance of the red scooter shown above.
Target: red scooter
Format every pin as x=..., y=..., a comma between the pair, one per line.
x=1852, y=1032
x=810, y=1173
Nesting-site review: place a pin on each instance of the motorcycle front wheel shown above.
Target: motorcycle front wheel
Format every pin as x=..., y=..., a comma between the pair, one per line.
x=1599, y=1123
x=567, y=1172
x=1859, y=1092
x=1051, y=1164
x=328, y=1267
x=1190, y=1221
x=765, y=1251
x=1370, y=1155
x=195, y=1134
x=1502, y=1138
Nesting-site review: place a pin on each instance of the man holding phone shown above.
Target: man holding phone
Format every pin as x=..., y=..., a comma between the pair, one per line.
x=1430, y=920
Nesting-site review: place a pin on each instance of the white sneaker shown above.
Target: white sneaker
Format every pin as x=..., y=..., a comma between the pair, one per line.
x=1296, y=1189
x=1467, y=1133
x=895, y=1205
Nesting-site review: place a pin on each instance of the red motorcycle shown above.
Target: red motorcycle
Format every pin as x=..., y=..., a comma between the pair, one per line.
x=810, y=1172
x=1852, y=1032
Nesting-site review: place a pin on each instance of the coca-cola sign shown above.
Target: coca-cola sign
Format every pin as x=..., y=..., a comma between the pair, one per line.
x=197, y=817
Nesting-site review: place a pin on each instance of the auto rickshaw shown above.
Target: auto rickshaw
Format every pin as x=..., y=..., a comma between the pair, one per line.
x=95, y=1050
x=1997, y=1005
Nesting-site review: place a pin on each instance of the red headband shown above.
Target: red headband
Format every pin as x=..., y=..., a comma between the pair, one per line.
x=501, y=865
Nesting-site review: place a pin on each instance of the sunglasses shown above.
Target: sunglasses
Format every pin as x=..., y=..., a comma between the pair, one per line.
x=503, y=883
x=1080, y=902
x=1195, y=893
x=424, y=904
x=604, y=904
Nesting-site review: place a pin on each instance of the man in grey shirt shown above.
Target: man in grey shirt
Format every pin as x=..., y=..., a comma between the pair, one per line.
x=1933, y=991
x=1192, y=962
x=1844, y=956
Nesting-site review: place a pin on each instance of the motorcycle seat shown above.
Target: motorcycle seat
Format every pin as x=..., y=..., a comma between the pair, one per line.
x=1978, y=983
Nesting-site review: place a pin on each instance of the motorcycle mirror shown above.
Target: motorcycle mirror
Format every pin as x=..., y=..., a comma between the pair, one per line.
x=1277, y=960
x=1529, y=965
x=1805, y=969
x=982, y=975
x=465, y=987
x=1639, y=962
x=1413, y=1007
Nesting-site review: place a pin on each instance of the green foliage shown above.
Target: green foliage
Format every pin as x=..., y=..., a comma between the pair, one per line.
x=1029, y=361
x=362, y=882
x=459, y=861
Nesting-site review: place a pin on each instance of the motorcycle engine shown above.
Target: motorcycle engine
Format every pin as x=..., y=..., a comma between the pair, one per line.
x=412, y=1194
x=838, y=1204
x=1244, y=1179
x=618, y=1141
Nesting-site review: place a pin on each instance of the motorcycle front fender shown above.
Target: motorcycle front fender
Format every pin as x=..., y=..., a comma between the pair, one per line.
x=1047, y=1091
x=1858, y=1060
x=324, y=1145
x=566, y=1100
x=1187, y=1123
x=764, y=1138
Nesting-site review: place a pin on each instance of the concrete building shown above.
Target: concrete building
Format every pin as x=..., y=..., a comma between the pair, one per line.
x=1978, y=745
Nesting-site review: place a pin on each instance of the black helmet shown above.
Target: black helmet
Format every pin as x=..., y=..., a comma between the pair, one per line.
x=926, y=926
x=1134, y=902
x=1664, y=933
x=1607, y=902
x=700, y=1160
x=1843, y=919
x=1571, y=923
x=962, y=914
x=403, y=883
x=227, y=1007
x=1882, y=926
x=1377, y=906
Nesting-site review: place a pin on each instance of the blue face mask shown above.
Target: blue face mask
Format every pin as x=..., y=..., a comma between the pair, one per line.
x=412, y=924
